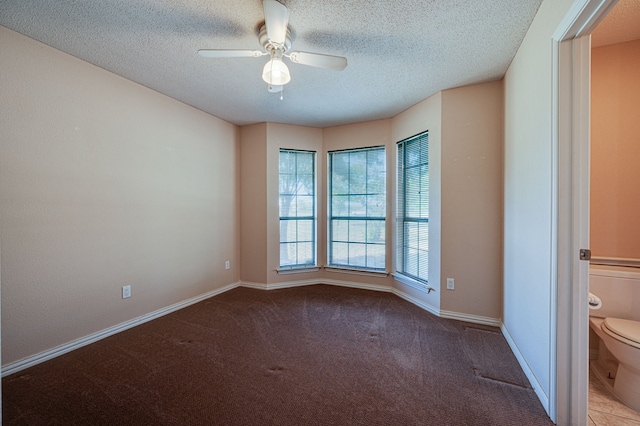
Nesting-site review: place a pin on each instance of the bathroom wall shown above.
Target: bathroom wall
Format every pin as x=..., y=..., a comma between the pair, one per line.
x=619, y=290
x=615, y=151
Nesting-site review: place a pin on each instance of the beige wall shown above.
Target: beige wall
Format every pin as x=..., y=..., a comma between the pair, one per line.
x=290, y=137
x=253, y=203
x=104, y=183
x=426, y=116
x=471, y=199
x=615, y=151
x=363, y=135
x=465, y=142
x=465, y=196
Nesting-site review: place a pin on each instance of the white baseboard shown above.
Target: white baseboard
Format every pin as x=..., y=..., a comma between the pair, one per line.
x=361, y=286
x=476, y=319
x=444, y=314
x=30, y=361
x=256, y=286
x=276, y=286
x=17, y=366
x=290, y=284
x=537, y=388
x=419, y=303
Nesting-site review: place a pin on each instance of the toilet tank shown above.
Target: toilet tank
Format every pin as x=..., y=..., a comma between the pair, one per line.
x=619, y=289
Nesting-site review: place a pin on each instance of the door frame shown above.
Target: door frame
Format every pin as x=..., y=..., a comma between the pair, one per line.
x=570, y=208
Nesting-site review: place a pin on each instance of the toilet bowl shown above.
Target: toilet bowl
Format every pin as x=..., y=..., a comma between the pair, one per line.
x=621, y=337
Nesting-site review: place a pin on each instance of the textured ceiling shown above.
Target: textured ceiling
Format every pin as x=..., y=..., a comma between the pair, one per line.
x=622, y=24
x=399, y=52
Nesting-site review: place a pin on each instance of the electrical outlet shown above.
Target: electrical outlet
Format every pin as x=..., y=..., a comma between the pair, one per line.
x=450, y=284
x=126, y=291
x=227, y=265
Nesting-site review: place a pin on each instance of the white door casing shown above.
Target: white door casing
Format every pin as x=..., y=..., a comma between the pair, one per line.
x=571, y=122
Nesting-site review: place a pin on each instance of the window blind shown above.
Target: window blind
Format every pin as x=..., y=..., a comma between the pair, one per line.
x=413, y=207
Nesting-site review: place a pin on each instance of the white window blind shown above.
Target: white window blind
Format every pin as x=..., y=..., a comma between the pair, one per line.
x=297, y=209
x=357, y=208
x=413, y=207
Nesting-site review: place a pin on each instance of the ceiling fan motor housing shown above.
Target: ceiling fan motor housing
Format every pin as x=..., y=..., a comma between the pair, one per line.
x=270, y=46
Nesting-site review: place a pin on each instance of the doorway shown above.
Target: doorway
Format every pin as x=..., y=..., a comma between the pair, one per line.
x=614, y=230
x=571, y=126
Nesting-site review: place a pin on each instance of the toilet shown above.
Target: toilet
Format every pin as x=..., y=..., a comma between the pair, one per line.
x=618, y=363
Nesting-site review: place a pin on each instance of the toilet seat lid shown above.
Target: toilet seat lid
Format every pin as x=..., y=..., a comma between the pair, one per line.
x=625, y=328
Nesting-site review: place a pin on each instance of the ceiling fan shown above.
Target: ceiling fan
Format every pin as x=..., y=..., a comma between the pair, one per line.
x=275, y=38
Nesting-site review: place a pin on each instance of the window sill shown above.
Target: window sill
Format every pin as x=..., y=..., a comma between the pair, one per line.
x=297, y=270
x=413, y=283
x=363, y=272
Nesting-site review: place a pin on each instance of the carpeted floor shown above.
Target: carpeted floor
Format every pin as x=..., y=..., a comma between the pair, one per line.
x=316, y=355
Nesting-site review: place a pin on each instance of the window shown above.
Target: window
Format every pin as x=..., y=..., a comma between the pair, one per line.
x=413, y=207
x=297, y=209
x=357, y=208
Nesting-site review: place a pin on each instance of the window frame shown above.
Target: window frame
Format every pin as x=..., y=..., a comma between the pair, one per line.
x=332, y=219
x=402, y=216
x=313, y=217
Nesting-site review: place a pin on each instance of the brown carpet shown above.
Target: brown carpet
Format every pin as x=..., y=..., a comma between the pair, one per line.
x=316, y=355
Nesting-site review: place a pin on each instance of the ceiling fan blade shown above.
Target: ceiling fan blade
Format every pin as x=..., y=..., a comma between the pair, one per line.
x=224, y=53
x=318, y=60
x=276, y=19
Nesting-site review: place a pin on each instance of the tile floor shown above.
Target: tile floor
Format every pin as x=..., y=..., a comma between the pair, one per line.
x=605, y=409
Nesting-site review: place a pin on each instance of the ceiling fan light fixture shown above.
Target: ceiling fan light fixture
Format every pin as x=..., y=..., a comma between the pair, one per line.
x=275, y=38
x=276, y=72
